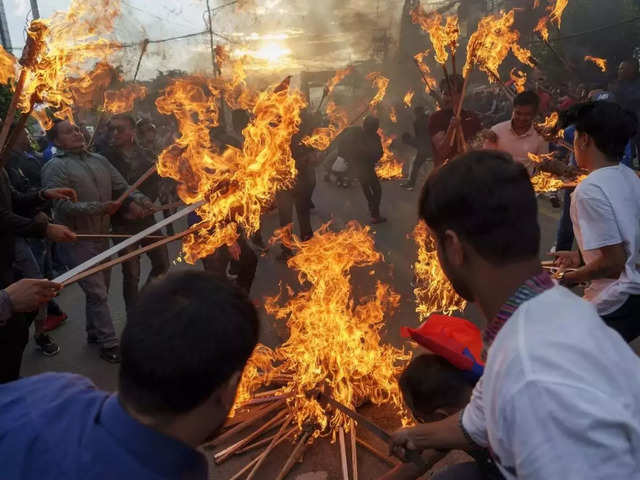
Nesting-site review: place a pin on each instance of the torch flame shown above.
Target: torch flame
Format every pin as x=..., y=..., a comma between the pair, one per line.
x=88, y=90
x=490, y=44
x=556, y=11
x=442, y=37
x=121, y=101
x=601, y=63
x=389, y=167
x=334, y=338
x=543, y=28
x=550, y=122
x=546, y=182
x=393, y=115
x=380, y=82
x=8, y=66
x=519, y=79
x=337, y=78
x=426, y=71
x=321, y=138
x=408, y=98
x=434, y=292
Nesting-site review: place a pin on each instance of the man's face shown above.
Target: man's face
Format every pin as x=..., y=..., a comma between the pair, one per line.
x=121, y=133
x=523, y=116
x=450, y=97
x=70, y=137
x=147, y=135
x=457, y=274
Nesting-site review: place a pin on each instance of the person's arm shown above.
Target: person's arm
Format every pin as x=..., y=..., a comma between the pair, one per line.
x=609, y=264
x=26, y=296
x=447, y=434
x=410, y=471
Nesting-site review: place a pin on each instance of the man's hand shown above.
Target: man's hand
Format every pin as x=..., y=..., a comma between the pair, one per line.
x=148, y=207
x=490, y=136
x=61, y=194
x=110, y=208
x=28, y=294
x=401, y=441
x=60, y=233
x=567, y=259
x=134, y=212
x=235, y=251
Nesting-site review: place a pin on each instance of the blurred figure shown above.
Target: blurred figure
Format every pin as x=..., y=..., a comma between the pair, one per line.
x=421, y=141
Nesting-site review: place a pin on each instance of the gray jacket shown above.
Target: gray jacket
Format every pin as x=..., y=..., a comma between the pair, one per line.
x=96, y=182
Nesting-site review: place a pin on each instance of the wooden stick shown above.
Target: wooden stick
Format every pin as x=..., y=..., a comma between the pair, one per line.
x=267, y=393
x=354, y=451
x=260, y=443
x=225, y=454
x=138, y=182
x=459, y=110
x=115, y=235
x=124, y=258
x=259, y=401
x=394, y=462
x=15, y=133
x=259, y=414
x=270, y=448
x=295, y=454
x=343, y=454
x=252, y=462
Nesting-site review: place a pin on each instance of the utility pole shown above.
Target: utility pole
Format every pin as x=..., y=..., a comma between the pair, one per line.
x=4, y=29
x=213, y=52
x=35, y=12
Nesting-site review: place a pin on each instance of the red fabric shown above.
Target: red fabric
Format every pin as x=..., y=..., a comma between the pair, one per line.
x=448, y=337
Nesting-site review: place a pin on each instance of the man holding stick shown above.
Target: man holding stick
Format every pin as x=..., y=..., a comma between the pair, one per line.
x=132, y=162
x=97, y=183
x=559, y=394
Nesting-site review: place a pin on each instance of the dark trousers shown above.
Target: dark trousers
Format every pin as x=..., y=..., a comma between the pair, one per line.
x=14, y=337
x=301, y=200
x=245, y=268
x=418, y=162
x=565, y=236
x=626, y=320
x=372, y=192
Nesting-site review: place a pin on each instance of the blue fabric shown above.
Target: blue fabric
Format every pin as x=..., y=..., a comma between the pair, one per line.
x=59, y=426
x=570, y=132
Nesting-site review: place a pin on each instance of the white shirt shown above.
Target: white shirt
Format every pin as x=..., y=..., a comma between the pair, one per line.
x=519, y=146
x=560, y=395
x=605, y=210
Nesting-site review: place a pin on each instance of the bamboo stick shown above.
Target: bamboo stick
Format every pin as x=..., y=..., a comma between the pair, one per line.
x=115, y=235
x=270, y=448
x=15, y=133
x=392, y=461
x=259, y=401
x=459, y=111
x=124, y=258
x=295, y=454
x=8, y=119
x=343, y=454
x=354, y=451
x=137, y=183
x=260, y=443
x=267, y=393
x=260, y=413
x=252, y=462
x=225, y=454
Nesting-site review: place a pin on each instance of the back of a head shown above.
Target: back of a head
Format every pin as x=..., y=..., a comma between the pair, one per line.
x=528, y=98
x=371, y=124
x=610, y=125
x=488, y=200
x=188, y=335
x=125, y=117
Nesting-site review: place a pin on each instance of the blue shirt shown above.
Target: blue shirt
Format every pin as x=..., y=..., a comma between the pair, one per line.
x=627, y=158
x=59, y=426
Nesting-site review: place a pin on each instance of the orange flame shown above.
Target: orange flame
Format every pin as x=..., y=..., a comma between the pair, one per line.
x=236, y=185
x=431, y=83
x=550, y=122
x=68, y=43
x=556, y=11
x=389, y=167
x=121, y=101
x=334, y=338
x=434, y=292
x=490, y=44
x=519, y=79
x=442, y=37
x=8, y=66
x=408, y=98
x=393, y=115
x=546, y=182
x=337, y=78
x=236, y=93
x=321, y=138
x=88, y=91
x=380, y=82
x=543, y=28
x=601, y=63
x=222, y=55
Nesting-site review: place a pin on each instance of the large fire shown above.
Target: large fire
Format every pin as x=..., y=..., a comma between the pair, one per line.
x=389, y=167
x=7, y=66
x=490, y=44
x=122, y=100
x=433, y=291
x=322, y=137
x=334, y=338
x=444, y=38
x=379, y=82
x=236, y=185
x=601, y=63
x=88, y=90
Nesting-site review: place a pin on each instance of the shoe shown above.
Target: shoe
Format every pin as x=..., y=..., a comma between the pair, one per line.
x=47, y=346
x=377, y=220
x=53, y=321
x=110, y=354
x=92, y=339
x=407, y=186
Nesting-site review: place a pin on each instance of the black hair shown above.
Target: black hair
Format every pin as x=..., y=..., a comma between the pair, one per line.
x=371, y=124
x=528, y=99
x=127, y=118
x=488, y=200
x=610, y=125
x=455, y=83
x=52, y=133
x=430, y=382
x=188, y=334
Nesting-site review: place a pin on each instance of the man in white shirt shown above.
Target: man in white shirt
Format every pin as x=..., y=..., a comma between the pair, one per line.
x=559, y=397
x=517, y=136
x=605, y=211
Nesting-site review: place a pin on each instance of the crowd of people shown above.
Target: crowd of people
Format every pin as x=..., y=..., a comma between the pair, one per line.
x=553, y=392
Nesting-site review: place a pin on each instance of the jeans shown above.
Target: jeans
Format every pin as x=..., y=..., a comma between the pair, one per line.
x=421, y=158
x=372, y=192
x=565, y=236
x=626, y=320
x=96, y=289
x=13, y=339
x=25, y=265
x=301, y=199
x=217, y=262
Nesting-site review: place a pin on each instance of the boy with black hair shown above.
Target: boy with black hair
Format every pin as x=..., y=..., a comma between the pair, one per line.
x=559, y=394
x=183, y=353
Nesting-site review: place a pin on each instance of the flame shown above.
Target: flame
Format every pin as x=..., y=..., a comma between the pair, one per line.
x=540, y=158
x=490, y=44
x=65, y=46
x=434, y=292
x=8, y=66
x=556, y=11
x=389, y=167
x=549, y=123
x=88, y=91
x=121, y=101
x=235, y=184
x=393, y=115
x=334, y=338
x=601, y=63
x=321, y=138
x=222, y=55
x=519, y=79
x=546, y=182
x=442, y=37
x=236, y=93
x=543, y=28
x=408, y=98
x=380, y=82
x=431, y=83
x=337, y=78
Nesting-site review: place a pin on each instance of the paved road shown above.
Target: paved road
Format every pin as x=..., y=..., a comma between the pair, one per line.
x=333, y=204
